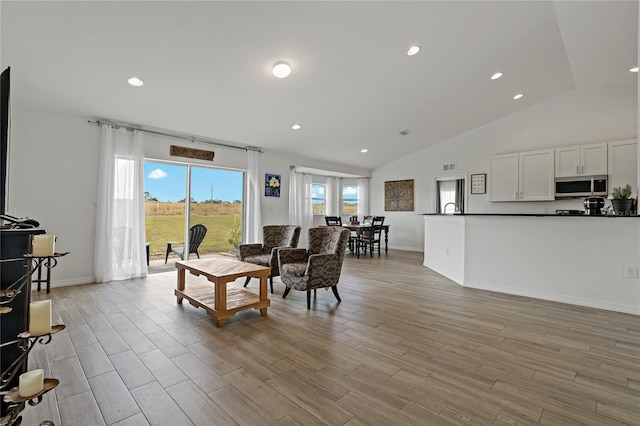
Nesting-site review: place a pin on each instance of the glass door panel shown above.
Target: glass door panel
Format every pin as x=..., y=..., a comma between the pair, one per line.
x=165, y=186
x=217, y=203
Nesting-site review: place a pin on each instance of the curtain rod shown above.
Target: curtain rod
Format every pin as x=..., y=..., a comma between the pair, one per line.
x=291, y=167
x=173, y=134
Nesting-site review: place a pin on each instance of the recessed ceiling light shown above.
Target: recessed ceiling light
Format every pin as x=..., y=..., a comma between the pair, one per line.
x=413, y=50
x=518, y=96
x=634, y=69
x=135, y=81
x=364, y=150
x=281, y=69
x=496, y=76
x=296, y=127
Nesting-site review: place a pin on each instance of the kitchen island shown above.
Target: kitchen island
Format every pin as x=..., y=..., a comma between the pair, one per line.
x=580, y=260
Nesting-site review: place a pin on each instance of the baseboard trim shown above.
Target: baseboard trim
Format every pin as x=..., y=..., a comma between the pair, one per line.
x=560, y=298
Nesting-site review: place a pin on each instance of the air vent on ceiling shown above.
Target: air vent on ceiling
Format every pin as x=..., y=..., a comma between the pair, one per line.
x=449, y=167
x=404, y=133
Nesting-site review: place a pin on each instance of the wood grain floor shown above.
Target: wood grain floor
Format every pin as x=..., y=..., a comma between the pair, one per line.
x=406, y=346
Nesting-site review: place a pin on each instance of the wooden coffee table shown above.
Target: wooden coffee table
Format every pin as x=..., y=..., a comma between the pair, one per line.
x=221, y=302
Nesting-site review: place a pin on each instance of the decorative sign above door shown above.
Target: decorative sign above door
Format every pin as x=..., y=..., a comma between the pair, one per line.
x=200, y=154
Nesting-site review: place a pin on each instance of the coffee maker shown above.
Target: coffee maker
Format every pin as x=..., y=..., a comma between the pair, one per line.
x=593, y=206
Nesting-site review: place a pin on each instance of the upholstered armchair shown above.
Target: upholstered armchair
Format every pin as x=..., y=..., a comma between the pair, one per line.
x=266, y=254
x=318, y=266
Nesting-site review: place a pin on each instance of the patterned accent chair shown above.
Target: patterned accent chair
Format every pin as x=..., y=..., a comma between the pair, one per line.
x=317, y=267
x=274, y=237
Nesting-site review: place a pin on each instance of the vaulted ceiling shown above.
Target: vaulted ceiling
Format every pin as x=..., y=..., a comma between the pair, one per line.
x=207, y=66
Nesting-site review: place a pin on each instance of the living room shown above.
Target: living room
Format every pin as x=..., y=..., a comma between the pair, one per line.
x=70, y=63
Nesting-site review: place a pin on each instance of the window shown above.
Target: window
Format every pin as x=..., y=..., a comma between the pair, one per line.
x=450, y=196
x=350, y=199
x=318, y=199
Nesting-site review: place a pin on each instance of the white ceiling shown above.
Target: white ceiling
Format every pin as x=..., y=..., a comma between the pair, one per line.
x=207, y=66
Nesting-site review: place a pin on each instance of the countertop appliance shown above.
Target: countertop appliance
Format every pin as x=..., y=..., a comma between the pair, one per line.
x=581, y=186
x=593, y=206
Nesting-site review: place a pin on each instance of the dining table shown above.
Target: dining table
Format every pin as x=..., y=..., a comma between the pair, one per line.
x=359, y=228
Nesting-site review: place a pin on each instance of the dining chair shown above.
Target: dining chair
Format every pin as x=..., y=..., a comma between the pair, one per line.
x=333, y=220
x=371, y=237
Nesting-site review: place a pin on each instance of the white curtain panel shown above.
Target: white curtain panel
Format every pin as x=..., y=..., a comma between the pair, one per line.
x=300, y=208
x=363, y=198
x=253, y=219
x=333, y=196
x=120, y=236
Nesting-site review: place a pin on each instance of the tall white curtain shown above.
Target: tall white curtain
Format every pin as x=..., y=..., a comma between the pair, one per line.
x=300, y=208
x=363, y=197
x=120, y=236
x=333, y=196
x=253, y=219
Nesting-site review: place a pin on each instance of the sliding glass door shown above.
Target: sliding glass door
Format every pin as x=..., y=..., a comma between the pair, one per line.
x=179, y=197
x=216, y=203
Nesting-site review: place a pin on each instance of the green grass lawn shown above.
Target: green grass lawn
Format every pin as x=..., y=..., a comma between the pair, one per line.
x=169, y=226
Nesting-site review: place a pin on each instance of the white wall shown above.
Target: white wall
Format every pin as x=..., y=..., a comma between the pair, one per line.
x=447, y=256
x=577, y=260
x=573, y=118
x=53, y=178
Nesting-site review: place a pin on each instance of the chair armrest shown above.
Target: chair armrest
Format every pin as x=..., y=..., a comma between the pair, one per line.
x=273, y=261
x=175, y=242
x=322, y=261
x=291, y=255
x=253, y=249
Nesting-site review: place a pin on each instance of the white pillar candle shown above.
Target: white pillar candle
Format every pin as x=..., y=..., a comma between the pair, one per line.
x=40, y=318
x=31, y=383
x=43, y=245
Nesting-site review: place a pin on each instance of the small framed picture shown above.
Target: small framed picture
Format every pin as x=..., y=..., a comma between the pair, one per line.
x=272, y=185
x=479, y=183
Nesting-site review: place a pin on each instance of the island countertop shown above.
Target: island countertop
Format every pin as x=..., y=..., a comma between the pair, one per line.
x=525, y=215
x=580, y=261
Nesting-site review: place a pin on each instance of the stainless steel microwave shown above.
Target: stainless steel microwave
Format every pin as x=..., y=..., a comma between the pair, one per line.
x=581, y=186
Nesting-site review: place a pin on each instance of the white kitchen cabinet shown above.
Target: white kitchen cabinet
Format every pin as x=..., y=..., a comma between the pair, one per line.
x=503, y=178
x=524, y=176
x=623, y=164
x=581, y=160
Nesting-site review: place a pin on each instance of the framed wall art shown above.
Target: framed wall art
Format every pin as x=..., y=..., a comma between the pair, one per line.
x=272, y=185
x=398, y=195
x=479, y=183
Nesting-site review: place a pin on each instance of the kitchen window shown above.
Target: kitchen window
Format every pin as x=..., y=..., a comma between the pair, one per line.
x=450, y=195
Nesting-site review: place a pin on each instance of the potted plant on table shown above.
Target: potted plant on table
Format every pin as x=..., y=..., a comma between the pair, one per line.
x=354, y=220
x=621, y=201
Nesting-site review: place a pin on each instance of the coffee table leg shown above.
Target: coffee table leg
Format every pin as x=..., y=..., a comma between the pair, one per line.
x=220, y=302
x=181, y=280
x=263, y=293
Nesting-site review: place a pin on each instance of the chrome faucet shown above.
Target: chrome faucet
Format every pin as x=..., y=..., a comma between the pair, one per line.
x=455, y=208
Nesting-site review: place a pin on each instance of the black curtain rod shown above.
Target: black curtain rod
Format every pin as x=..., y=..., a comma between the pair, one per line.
x=172, y=134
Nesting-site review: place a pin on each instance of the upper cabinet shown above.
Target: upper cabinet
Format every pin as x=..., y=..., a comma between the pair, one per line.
x=525, y=176
x=623, y=164
x=581, y=160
